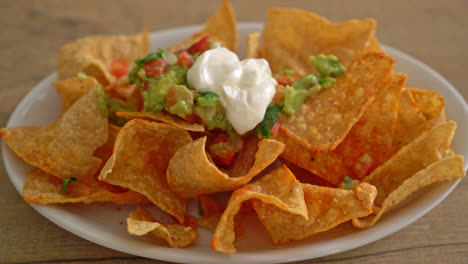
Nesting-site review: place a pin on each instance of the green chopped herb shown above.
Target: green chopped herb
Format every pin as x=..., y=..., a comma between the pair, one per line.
x=67, y=181
x=102, y=100
x=305, y=82
x=271, y=116
x=207, y=99
x=347, y=180
x=140, y=62
x=287, y=72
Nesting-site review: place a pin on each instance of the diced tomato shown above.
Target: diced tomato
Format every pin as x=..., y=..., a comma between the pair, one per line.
x=126, y=91
x=119, y=68
x=275, y=128
x=223, y=156
x=284, y=79
x=145, y=85
x=155, y=68
x=363, y=166
x=185, y=59
x=201, y=46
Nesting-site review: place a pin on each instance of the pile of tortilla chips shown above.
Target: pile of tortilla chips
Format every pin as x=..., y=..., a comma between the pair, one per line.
x=352, y=152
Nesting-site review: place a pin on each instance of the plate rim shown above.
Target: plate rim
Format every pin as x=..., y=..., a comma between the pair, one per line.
x=167, y=255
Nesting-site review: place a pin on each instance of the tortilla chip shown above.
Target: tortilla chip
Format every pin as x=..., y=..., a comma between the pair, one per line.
x=164, y=118
x=64, y=149
x=290, y=36
x=326, y=207
x=305, y=176
x=445, y=169
x=43, y=188
x=140, y=222
x=105, y=151
x=374, y=45
x=325, y=119
x=70, y=90
x=221, y=27
x=190, y=172
x=370, y=137
x=93, y=55
x=431, y=104
x=141, y=155
x=279, y=188
x=428, y=148
x=252, y=44
x=410, y=123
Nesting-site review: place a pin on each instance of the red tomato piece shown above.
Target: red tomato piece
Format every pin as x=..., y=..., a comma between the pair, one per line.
x=185, y=59
x=222, y=155
x=119, y=68
x=275, y=128
x=284, y=79
x=202, y=45
x=155, y=68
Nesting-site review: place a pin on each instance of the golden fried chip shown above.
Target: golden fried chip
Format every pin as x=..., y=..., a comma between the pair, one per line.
x=252, y=44
x=164, y=118
x=140, y=222
x=223, y=26
x=428, y=148
x=93, y=55
x=141, y=155
x=325, y=119
x=43, y=188
x=70, y=90
x=445, y=169
x=279, y=188
x=374, y=45
x=431, y=104
x=326, y=207
x=367, y=145
x=410, y=122
x=190, y=172
x=290, y=36
x=105, y=151
x=64, y=149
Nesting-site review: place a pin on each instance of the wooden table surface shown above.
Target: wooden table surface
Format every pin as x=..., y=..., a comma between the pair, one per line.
x=435, y=32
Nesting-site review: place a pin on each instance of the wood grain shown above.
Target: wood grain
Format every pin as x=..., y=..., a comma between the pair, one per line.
x=435, y=32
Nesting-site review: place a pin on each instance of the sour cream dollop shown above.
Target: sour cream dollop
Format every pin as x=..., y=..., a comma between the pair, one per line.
x=245, y=88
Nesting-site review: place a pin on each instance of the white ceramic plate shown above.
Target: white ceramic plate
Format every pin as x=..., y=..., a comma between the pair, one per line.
x=103, y=223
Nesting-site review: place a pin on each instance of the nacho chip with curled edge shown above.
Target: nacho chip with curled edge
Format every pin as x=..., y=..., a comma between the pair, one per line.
x=369, y=139
x=428, y=148
x=448, y=168
x=141, y=155
x=140, y=222
x=431, y=104
x=190, y=173
x=64, y=149
x=326, y=207
x=279, y=188
x=252, y=44
x=290, y=36
x=93, y=55
x=164, y=118
x=324, y=119
x=70, y=90
x=43, y=188
x=374, y=45
x=221, y=27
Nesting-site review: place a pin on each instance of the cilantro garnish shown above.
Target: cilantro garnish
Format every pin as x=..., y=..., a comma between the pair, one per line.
x=271, y=116
x=347, y=180
x=140, y=62
x=67, y=181
x=207, y=99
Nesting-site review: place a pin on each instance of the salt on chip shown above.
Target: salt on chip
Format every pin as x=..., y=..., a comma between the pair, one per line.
x=448, y=168
x=190, y=172
x=141, y=155
x=252, y=44
x=70, y=90
x=64, y=149
x=140, y=222
x=279, y=188
x=410, y=123
x=325, y=119
x=93, y=55
x=290, y=36
x=43, y=188
x=326, y=208
x=430, y=147
x=369, y=139
x=164, y=118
